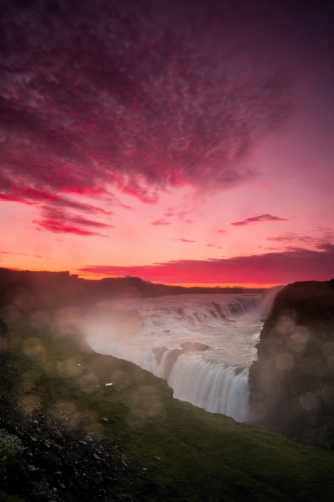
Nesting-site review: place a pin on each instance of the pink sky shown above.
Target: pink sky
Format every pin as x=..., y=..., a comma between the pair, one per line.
x=182, y=142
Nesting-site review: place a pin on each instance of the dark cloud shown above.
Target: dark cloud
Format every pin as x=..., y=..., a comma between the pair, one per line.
x=145, y=99
x=160, y=223
x=182, y=240
x=213, y=246
x=269, y=268
x=287, y=237
x=25, y=254
x=64, y=203
x=257, y=219
x=318, y=239
x=269, y=248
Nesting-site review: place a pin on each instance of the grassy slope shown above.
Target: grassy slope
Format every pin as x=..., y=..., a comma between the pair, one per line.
x=201, y=456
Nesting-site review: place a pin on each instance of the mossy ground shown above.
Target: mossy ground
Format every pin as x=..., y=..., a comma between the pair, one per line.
x=167, y=449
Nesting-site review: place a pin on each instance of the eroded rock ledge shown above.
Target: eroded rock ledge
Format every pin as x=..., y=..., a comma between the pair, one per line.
x=292, y=382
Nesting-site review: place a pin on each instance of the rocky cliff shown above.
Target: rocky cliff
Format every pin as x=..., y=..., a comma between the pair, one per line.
x=292, y=382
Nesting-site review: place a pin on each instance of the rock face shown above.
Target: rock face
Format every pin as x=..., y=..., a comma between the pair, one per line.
x=292, y=382
x=4, y=342
x=194, y=346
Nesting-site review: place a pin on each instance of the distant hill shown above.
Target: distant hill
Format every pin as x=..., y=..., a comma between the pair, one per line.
x=48, y=290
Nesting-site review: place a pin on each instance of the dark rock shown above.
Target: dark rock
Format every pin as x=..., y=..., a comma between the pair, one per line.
x=214, y=314
x=220, y=312
x=291, y=383
x=196, y=346
x=171, y=358
x=17, y=476
x=197, y=317
x=3, y=327
x=159, y=351
x=49, y=463
x=4, y=343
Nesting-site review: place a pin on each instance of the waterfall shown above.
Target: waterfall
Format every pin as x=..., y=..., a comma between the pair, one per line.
x=211, y=386
x=201, y=344
x=201, y=382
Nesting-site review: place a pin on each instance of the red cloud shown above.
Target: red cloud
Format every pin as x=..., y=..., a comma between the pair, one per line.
x=269, y=268
x=62, y=202
x=58, y=227
x=160, y=222
x=222, y=231
x=159, y=107
x=55, y=220
x=55, y=214
x=258, y=219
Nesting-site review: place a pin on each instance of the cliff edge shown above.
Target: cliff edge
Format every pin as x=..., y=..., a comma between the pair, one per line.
x=292, y=382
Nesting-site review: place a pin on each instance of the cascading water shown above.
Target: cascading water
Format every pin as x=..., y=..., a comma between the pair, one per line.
x=212, y=387
x=201, y=344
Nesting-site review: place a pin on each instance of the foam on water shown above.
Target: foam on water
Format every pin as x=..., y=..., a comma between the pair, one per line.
x=215, y=379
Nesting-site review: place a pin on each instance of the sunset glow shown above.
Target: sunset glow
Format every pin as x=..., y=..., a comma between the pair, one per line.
x=186, y=143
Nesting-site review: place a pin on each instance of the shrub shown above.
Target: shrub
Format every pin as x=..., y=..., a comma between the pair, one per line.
x=10, y=445
x=42, y=492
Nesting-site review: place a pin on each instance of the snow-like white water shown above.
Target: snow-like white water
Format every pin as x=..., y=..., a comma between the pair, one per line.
x=215, y=379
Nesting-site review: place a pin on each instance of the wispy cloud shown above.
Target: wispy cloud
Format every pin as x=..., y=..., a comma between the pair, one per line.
x=160, y=223
x=258, y=219
x=184, y=215
x=25, y=254
x=317, y=238
x=57, y=221
x=181, y=240
x=287, y=237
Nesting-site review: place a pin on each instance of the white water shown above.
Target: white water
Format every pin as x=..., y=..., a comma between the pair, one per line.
x=215, y=379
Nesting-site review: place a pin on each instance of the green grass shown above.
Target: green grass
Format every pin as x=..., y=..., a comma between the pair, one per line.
x=174, y=451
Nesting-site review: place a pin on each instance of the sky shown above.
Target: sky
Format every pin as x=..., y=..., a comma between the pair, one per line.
x=185, y=142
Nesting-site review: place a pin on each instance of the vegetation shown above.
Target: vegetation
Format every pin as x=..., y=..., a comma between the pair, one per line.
x=131, y=441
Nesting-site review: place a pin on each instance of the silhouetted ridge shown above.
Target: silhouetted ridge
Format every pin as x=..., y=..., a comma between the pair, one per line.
x=49, y=290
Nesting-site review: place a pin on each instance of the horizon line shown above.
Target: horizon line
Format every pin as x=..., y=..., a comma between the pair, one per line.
x=186, y=285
